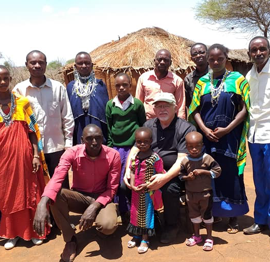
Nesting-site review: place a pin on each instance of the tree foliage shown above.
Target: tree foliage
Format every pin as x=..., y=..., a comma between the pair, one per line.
x=246, y=15
x=56, y=64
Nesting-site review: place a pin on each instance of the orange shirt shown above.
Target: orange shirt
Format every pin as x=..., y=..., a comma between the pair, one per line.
x=149, y=85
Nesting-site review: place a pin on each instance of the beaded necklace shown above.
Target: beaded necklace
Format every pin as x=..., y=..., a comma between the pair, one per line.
x=216, y=91
x=84, y=87
x=7, y=118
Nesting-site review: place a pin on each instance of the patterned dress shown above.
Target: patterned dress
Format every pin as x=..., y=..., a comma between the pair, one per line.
x=142, y=204
x=21, y=189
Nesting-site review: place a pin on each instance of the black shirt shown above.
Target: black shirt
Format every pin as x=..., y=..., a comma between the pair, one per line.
x=170, y=141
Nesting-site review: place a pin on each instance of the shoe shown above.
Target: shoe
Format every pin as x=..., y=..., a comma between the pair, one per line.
x=37, y=241
x=69, y=252
x=169, y=235
x=194, y=241
x=208, y=245
x=142, y=249
x=254, y=229
x=134, y=241
x=11, y=243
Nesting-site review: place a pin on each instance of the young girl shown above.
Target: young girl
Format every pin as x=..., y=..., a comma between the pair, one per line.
x=145, y=164
x=21, y=176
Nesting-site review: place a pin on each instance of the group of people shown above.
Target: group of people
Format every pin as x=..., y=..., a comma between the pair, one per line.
x=140, y=152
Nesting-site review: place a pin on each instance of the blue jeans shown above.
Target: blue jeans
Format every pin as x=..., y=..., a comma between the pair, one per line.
x=260, y=154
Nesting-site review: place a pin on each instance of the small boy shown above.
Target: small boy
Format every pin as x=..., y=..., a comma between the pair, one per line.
x=197, y=170
x=124, y=115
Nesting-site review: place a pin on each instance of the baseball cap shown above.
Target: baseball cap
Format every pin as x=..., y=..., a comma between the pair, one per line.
x=164, y=97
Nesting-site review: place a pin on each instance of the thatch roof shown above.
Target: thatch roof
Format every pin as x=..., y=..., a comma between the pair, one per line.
x=137, y=51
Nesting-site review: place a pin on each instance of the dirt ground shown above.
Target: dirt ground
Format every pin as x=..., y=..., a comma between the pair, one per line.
x=238, y=247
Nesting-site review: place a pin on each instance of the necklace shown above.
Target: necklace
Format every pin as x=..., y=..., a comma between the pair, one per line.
x=84, y=87
x=216, y=91
x=7, y=118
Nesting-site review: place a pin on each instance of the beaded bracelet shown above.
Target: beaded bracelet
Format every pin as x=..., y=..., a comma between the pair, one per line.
x=36, y=156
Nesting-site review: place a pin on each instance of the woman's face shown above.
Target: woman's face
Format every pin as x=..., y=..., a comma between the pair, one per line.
x=217, y=61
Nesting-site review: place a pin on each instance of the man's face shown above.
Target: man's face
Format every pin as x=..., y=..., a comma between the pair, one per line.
x=36, y=64
x=92, y=138
x=83, y=64
x=164, y=111
x=162, y=61
x=198, y=55
x=259, y=52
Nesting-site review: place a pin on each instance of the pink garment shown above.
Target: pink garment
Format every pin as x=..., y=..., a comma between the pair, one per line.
x=100, y=175
x=149, y=85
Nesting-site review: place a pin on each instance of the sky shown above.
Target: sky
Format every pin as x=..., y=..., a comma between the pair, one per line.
x=61, y=29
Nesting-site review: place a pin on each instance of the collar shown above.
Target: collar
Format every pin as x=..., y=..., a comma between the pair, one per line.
x=196, y=72
x=116, y=101
x=47, y=83
x=169, y=75
x=266, y=69
x=195, y=158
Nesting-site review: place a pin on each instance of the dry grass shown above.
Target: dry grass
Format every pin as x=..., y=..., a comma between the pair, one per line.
x=20, y=74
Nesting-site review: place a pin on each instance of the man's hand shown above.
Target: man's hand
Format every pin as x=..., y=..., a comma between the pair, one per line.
x=42, y=216
x=190, y=176
x=89, y=216
x=157, y=181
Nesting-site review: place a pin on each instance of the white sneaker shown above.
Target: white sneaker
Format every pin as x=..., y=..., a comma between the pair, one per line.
x=37, y=241
x=11, y=243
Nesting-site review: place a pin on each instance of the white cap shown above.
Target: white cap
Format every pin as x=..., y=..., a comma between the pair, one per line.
x=164, y=97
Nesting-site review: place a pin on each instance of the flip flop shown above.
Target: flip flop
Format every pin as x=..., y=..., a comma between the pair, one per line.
x=141, y=249
x=194, y=241
x=208, y=245
x=233, y=229
x=134, y=241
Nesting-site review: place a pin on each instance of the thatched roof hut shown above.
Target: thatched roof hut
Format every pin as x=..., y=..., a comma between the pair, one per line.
x=135, y=54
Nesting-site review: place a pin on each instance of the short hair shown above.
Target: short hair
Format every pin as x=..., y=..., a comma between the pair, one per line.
x=4, y=68
x=198, y=44
x=82, y=53
x=220, y=47
x=123, y=74
x=164, y=50
x=144, y=129
x=259, y=37
x=35, y=51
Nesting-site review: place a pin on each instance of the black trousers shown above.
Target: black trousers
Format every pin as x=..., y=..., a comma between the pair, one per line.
x=171, y=193
x=52, y=160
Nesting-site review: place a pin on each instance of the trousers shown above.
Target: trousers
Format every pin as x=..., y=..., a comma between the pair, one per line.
x=69, y=200
x=260, y=154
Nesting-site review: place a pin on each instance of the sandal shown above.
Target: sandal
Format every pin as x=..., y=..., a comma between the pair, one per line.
x=233, y=226
x=233, y=229
x=141, y=249
x=134, y=241
x=194, y=241
x=208, y=245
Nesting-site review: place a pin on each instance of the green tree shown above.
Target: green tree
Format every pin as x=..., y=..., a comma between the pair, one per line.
x=245, y=15
x=70, y=61
x=56, y=64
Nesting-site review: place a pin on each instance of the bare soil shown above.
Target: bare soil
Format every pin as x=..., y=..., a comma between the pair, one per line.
x=92, y=247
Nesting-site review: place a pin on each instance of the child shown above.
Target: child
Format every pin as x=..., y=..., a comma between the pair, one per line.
x=124, y=115
x=144, y=165
x=197, y=170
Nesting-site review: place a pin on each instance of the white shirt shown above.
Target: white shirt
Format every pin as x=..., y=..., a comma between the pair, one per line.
x=259, y=131
x=52, y=109
x=126, y=103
